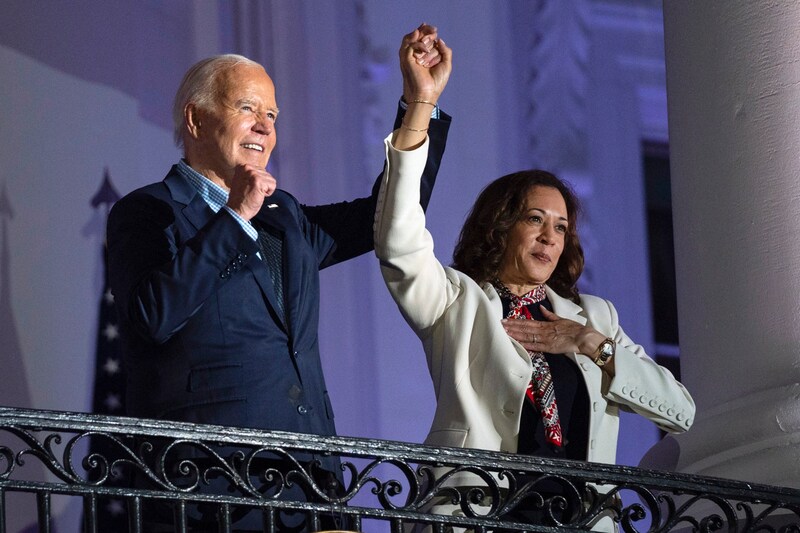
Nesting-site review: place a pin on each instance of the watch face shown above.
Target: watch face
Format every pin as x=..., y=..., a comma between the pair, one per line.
x=606, y=349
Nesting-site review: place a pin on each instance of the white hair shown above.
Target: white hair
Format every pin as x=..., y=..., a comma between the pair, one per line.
x=199, y=87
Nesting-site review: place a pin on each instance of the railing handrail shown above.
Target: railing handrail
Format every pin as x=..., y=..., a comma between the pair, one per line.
x=368, y=447
x=415, y=464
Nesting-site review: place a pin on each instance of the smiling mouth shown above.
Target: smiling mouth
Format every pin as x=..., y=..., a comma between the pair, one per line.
x=251, y=146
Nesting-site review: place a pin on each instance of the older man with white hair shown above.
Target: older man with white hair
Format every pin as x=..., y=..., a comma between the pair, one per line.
x=215, y=270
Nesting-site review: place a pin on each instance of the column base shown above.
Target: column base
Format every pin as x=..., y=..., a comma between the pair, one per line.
x=755, y=439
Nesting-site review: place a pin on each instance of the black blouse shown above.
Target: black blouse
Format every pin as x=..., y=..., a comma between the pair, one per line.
x=572, y=399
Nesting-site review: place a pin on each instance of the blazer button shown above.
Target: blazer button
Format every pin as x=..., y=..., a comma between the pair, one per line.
x=302, y=409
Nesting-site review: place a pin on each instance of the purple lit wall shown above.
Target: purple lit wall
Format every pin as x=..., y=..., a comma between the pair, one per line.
x=572, y=86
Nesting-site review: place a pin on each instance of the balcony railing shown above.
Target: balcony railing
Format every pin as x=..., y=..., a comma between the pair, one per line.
x=386, y=485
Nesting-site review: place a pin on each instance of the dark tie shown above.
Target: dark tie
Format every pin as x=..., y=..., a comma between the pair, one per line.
x=271, y=254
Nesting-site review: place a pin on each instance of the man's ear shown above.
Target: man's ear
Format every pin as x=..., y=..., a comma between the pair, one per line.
x=191, y=120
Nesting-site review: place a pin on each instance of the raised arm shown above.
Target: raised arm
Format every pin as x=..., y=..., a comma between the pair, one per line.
x=416, y=280
x=423, y=83
x=344, y=230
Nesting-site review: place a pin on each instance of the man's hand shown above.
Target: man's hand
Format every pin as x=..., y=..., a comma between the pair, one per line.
x=249, y=188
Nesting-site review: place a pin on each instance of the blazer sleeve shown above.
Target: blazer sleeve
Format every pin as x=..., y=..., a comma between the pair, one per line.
x=159, y=274
x=640, y=384
x=341, y=231
x=416, y=280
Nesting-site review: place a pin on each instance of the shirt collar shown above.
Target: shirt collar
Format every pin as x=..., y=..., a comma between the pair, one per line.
x=214, y=195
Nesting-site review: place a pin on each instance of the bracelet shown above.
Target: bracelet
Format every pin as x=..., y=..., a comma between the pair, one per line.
x=404, y=125
x=423, y=102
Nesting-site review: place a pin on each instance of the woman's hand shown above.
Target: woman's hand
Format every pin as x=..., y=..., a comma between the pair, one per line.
x=555, y=335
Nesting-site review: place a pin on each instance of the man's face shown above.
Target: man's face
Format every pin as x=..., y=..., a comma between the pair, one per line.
x=239, y=127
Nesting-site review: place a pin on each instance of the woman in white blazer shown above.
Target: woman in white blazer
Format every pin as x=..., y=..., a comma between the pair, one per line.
x=552, y=386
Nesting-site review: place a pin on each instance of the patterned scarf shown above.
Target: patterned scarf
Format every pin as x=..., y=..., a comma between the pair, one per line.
x=540, y=390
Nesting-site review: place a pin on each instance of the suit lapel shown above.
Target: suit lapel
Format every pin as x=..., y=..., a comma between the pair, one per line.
x=195, y=210
x=497, y=307
x=197, y=213
x=566, y=309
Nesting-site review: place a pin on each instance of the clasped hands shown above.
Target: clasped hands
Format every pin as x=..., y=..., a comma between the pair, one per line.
x=425, y=62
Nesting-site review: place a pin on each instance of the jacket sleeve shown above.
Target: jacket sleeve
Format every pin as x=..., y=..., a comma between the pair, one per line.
x=161, y=276
x=415, y=278
x=642, y=386
x=343, y=230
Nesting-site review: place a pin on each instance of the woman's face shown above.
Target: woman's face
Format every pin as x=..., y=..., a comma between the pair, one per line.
x=536, y=241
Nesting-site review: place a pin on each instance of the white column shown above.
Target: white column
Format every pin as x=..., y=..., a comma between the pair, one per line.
x=733, y=82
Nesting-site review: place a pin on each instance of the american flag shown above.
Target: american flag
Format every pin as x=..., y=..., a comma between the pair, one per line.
x=109, y=377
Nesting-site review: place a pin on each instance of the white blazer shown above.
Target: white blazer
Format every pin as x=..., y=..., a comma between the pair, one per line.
x=479, y=373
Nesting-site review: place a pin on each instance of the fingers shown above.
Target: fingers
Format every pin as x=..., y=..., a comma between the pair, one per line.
x=249, y=188
x=428, y=31
x=445, y=52
x=526, y=332
x=425, y=51
x=259, y=179
x=430, y=58
x=536, y=336
x=422, y=44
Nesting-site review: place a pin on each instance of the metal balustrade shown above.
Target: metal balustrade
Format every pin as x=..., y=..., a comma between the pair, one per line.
x=154, y=466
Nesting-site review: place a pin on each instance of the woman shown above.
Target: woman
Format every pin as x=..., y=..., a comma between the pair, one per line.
x=552, y=386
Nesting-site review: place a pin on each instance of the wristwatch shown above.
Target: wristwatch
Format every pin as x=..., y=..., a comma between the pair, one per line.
x=605, y=352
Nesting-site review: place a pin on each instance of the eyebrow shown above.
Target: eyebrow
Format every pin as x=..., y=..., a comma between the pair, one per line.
x=241, y=101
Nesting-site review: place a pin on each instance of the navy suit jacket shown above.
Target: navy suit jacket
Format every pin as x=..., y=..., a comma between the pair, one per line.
x=202, y=338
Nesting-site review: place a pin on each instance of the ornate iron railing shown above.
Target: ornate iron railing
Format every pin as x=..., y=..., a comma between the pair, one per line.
x=386, y=486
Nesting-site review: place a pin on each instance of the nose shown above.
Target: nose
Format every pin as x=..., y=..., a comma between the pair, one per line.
x=547, y=235
x=263, y=124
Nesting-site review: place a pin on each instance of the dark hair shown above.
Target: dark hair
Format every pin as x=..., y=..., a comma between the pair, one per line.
x=499, y=206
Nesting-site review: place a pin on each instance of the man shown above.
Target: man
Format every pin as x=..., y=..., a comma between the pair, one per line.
x=215, y=271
